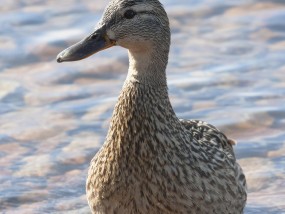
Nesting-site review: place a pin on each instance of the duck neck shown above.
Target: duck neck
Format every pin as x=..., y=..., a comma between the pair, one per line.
x=148, y=66
x=141, y=114
x=143, y=109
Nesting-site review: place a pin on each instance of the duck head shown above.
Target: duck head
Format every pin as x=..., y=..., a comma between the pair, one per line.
x=138, y=25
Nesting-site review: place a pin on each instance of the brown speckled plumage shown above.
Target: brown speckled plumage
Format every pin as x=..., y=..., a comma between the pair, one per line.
x=152, y=162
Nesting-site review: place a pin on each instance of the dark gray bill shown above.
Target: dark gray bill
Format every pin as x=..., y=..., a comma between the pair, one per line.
x=92, y=44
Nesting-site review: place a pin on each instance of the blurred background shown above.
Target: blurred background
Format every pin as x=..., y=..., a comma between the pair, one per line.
x=227, y=67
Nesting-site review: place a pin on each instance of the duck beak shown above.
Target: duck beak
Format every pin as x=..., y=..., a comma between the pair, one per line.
x=92, y=44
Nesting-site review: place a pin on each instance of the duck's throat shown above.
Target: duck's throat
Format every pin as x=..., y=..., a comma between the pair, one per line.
x=148, y=67
x=143, y=109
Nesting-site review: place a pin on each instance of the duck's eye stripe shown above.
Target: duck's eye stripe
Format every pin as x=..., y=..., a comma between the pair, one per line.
x=129, y=14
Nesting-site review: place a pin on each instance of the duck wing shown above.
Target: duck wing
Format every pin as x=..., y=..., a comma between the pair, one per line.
x=211, y=137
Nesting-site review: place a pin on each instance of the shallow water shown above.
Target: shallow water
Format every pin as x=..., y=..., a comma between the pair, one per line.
x=227, y=67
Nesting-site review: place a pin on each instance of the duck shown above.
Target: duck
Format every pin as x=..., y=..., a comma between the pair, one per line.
x=152, y=162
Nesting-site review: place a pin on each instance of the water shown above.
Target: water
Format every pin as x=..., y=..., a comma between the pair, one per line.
x=227, y=67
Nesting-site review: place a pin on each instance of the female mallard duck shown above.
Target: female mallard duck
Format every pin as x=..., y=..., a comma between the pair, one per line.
x=152, y=162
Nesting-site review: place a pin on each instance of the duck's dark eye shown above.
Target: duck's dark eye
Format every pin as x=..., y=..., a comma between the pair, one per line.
x=129, y=14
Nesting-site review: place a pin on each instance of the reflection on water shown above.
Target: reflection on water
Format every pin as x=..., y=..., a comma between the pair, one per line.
x=227, y=67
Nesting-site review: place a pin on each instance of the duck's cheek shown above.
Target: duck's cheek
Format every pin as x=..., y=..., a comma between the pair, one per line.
x=111, y=35
x=119, y=38
x=124, y=42
x=134, y=44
